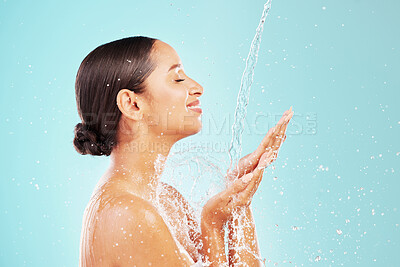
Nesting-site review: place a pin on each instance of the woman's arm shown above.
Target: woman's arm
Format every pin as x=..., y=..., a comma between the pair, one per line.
x=207, y=238
x=242, y=240
x=213, y=248
x=220, y=208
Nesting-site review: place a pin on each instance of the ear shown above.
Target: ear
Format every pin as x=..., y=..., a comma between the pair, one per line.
x=130, y=104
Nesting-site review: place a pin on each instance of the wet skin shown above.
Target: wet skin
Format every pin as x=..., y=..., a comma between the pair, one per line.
x=122, y=226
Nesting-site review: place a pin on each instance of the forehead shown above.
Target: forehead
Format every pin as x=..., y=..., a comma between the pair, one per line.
x=163, y=54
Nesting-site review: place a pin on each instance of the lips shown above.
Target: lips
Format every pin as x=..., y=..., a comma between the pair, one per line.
x=194, y=103
x=195, y=106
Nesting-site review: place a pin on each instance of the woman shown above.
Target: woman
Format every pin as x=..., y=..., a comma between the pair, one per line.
x=135, y=101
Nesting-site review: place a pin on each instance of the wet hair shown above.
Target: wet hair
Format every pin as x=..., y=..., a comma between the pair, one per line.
x=120, y=64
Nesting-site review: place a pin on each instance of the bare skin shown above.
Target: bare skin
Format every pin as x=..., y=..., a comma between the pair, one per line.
x=122, y=225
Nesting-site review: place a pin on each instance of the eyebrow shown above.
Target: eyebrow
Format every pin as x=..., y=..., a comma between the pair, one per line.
x=175, y=66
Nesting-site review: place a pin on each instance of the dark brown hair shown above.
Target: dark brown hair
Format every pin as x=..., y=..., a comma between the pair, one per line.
x=121, y=64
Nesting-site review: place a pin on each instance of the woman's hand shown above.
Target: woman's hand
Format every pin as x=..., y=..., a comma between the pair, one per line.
x=272, y=141
x=219, y=209
x=250, y=170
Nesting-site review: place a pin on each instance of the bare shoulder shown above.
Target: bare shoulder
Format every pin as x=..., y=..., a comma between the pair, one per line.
x=134, y=233
x=128, y=207
x=132, y=215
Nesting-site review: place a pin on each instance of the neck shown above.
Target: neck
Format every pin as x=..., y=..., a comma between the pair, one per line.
x=138, y=164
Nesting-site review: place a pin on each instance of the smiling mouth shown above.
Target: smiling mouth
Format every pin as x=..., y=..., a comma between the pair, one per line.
x=195, y=106
x=195, y=109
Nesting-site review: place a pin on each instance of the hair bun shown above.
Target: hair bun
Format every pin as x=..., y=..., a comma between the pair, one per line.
x=87, y=141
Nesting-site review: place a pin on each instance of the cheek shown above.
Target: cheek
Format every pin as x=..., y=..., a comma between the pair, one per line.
x=171, y=101
x=168, y=109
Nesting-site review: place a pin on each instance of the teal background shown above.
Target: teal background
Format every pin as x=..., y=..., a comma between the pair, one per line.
x=336, y=62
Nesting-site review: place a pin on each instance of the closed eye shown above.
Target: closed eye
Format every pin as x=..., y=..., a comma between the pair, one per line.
x=179, y=80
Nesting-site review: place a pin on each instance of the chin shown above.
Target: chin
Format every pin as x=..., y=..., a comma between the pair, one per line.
x=189, y=130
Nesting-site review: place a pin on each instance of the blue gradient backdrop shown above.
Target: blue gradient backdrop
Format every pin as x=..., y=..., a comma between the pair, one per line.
x=335, y=199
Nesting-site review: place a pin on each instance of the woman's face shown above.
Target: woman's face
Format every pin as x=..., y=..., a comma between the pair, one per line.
x=172, y=108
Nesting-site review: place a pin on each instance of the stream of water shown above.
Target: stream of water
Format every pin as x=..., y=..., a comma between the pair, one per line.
x=207, y=168
x=235, y=148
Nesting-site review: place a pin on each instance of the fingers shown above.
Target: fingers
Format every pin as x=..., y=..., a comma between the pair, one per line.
x=245, y=194
x=263, y=163
x=255, y=163
x=269, y=138
x=265, y=160
x=276, y=130
x=276, y=133
x=247, y=180
x=281, y=135
x=264, y=143
x=236, y=187
x=246, y=164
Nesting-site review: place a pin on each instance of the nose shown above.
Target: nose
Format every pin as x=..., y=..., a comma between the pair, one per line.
x=196, y=89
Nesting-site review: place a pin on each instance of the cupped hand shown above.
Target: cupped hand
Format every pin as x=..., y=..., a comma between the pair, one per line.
x=245, y=179
x=219, y=209
x=271, y=142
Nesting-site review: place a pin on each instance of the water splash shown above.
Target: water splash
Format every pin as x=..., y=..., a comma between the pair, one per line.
x=205, y=167
x=235, y=148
